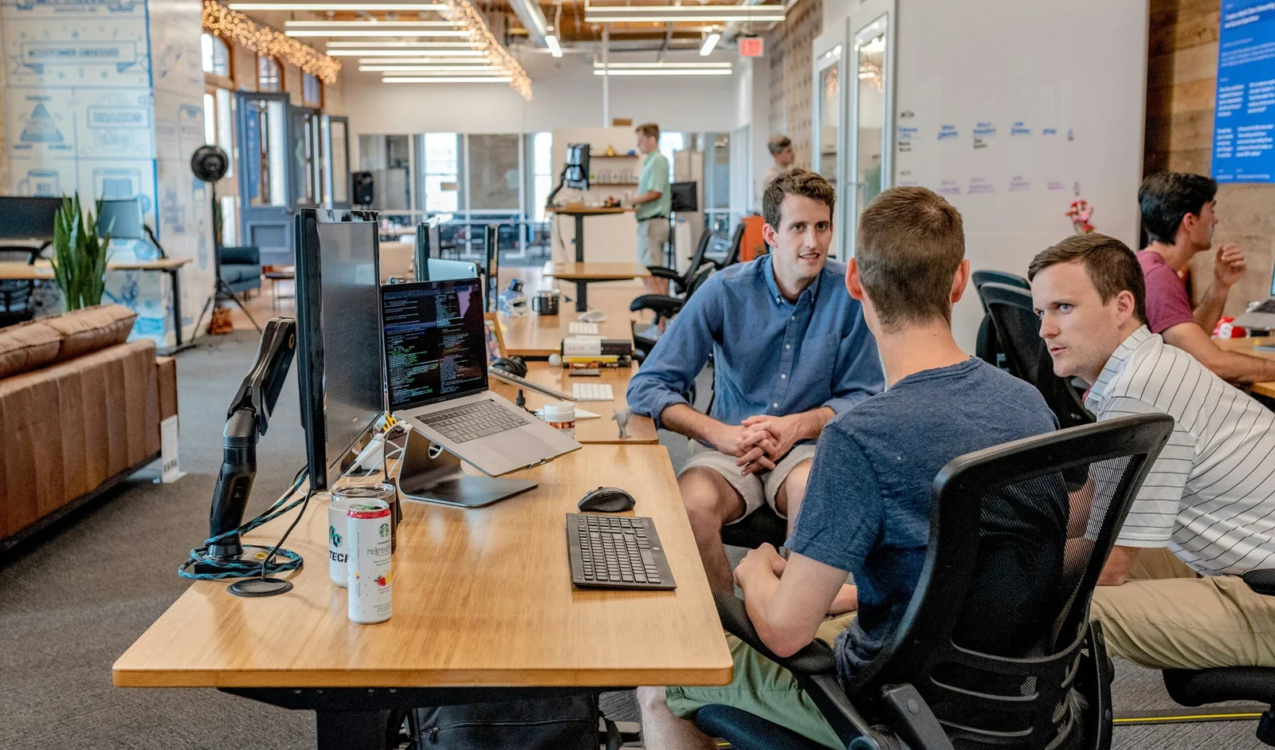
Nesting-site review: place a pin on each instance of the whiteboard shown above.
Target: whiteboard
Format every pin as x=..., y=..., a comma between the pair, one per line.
x=1012, y=110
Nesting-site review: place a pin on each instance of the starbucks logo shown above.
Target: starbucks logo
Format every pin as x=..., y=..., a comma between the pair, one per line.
x=333, y=537
x=385, y=530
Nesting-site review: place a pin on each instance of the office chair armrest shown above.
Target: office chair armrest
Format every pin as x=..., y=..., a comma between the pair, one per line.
x=661, y=305
x=1261, y=581
x=815, y=658
x=912, y=720
x=660, y=272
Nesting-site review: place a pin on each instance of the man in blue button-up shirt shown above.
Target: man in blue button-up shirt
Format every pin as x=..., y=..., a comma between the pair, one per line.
x=791, y=351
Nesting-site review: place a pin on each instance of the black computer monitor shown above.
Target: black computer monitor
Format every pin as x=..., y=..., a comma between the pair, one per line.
x=122, y=219
x=27, y=218
x=428, y=245
x=492, y=266
x=578, y=166
x=339, y=363
x=684, y=197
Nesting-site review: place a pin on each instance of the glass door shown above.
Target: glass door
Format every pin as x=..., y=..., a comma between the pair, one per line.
x=870, y=103
x=336, y=157
x=825, y=141
x=264, y=207
x=305, y=167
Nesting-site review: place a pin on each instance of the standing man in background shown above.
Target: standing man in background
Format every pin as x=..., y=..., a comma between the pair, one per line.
x=780, y=147
x=652, y=205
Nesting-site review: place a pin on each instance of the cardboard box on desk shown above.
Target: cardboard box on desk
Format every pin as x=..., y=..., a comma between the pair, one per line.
x=595, y=351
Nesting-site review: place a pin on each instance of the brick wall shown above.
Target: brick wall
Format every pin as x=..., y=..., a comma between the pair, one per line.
x=790, y=47
x=1181, y=91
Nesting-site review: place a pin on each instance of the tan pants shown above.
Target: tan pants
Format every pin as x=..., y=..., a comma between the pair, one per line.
x=1167, y=617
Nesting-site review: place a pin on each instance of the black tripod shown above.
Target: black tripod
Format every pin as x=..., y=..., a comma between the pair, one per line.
x=221, y=290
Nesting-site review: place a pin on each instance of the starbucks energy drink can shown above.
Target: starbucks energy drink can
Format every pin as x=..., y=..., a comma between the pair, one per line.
x=368, y=564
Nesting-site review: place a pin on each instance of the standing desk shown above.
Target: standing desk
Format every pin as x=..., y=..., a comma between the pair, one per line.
x=601, y=430
x=484, y=610
x=43, y=269
x=579, y=213
x=585, y=273
x=1245, y=346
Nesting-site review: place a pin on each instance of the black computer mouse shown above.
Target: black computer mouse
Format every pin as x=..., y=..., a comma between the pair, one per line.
x=607, y=500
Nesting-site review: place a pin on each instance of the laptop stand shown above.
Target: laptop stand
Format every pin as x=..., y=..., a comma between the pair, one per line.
x=430, y=474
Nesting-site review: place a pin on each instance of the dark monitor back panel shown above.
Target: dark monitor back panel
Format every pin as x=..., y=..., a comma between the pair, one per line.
x=122, y=219
x=27, y=218
x=338, y=316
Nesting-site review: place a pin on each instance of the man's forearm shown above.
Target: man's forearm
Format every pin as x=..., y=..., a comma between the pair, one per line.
x=684, y=420
x=647, y=197
x=813, y=421
x=759, y=592
x=1209, y=311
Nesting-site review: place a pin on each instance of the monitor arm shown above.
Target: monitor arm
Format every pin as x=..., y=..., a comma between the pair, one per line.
x=246, y=421
x=155, y=242
x=562, y=180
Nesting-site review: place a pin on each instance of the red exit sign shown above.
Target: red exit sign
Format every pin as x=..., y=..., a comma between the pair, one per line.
x=752, y=46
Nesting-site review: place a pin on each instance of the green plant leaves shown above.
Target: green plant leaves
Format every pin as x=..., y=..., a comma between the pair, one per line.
x=79, y=255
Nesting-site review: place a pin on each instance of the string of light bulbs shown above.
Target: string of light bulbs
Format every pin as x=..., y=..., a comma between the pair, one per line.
x=232, y=25
x=464, y=15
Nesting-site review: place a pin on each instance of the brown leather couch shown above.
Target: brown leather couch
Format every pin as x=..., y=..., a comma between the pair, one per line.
x=80, y=409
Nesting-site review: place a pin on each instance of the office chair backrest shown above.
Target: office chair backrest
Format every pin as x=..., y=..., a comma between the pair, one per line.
x=1017, y=690
x=697, y=257
x=736, y=245
x=996, y=277
x=698, y=280
x=1018, y=334
x=15, y=294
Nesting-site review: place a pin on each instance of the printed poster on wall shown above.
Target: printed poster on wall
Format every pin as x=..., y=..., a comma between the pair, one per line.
x=1244, y=118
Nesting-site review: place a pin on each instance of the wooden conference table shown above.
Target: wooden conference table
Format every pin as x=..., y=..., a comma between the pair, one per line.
x=1245, y=346
x=484, y=610
x=538, y=336
x=584, y=274
x=601, y=430
x=43, y=269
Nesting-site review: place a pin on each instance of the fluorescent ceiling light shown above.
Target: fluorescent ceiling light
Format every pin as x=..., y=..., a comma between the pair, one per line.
x=322, y=7
x=445, y=79
x=356, y=25
x=663, y=72
x=485, y=69
x=660, y=65
x=675, y=13
x=298, y=33
x=403, y=45
x=555, y=49
x=416, y=61
x=709, y=43
x=405, y=52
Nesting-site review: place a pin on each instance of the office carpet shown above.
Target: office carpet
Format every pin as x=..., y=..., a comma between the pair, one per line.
x=73, y=599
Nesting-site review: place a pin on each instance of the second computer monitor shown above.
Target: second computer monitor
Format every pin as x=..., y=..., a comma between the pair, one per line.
x=121, y=219
x=578, y=166
x=27, y=218
x=338, y=319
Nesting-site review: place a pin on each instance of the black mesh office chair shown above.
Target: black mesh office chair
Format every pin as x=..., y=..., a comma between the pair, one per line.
x=15, y=294
x=1018, y=330
x=930, y=692
x=682, y=281
x=736, y=246
x=1196, y=687
x=987, y=347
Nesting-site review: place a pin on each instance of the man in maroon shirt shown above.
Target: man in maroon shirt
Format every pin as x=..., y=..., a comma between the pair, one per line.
x=1178, y=214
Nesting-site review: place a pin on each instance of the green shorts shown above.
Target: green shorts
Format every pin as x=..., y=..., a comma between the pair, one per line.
x=763, y=688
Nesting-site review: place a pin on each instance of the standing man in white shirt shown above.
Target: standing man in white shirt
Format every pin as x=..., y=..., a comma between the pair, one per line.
x=651, y=205
x=1170, y=595
x=780, y=147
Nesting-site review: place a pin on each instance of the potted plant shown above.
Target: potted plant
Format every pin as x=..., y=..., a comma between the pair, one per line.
x=79, y=255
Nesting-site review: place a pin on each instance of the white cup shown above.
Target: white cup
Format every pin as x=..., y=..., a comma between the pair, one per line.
x=561, y=417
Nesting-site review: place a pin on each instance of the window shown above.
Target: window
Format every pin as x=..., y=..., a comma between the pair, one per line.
x=312, y=91
x=269, y=75
x=442, y=172
x=542, y=173
x=494, y=172
x=216, y=55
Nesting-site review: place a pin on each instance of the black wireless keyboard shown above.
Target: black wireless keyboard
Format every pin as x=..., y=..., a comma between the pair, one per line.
x=616, y=552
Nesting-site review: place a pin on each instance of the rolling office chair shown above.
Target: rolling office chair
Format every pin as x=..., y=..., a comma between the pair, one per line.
x=1196, y=687
x=682, y=281
x=926, y=690
x=15, y=294
x=664, y=307
x=1018, y=330
x=987, y=347
x=736, y=246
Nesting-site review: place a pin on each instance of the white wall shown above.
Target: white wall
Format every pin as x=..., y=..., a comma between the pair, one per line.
x=566, y=94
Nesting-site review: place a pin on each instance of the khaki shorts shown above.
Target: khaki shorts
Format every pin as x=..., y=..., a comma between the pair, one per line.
x=760, y=487
x=764, y=689
x=652, y=235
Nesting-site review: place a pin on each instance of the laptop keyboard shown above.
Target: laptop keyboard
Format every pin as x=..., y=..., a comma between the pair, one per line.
x=472, y=421
x=592, y=392
x=1266, y=307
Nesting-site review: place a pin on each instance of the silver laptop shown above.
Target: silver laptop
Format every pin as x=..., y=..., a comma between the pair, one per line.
x=436, y=372
x=1261, y=315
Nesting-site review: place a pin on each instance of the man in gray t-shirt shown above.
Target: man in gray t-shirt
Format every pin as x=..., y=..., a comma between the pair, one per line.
x=866, y=509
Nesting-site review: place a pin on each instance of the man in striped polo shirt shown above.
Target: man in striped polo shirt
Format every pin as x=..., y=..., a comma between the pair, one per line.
x=1209, y=499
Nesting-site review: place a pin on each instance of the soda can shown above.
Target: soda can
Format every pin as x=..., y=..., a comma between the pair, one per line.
x=368, y=565
x=386, y=491
x=338, y=538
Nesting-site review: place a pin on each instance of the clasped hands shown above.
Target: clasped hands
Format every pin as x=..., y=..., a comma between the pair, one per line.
x=760, y=441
